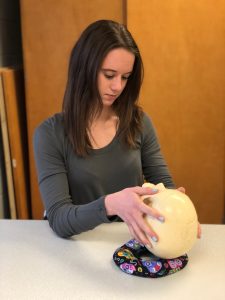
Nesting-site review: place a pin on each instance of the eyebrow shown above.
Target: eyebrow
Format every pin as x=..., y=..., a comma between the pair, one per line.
x=111, y=70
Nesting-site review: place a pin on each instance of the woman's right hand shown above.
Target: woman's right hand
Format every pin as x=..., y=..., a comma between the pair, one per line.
x=129, y=206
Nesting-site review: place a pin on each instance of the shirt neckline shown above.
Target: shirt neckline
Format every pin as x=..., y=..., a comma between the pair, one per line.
x=106, y=148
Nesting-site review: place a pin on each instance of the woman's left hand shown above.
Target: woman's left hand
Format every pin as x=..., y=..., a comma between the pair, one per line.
x=199, y=232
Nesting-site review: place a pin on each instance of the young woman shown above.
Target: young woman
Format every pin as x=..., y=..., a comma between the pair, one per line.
x=93, y=157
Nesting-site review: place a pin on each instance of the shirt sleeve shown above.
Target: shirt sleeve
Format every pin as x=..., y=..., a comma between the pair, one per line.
x=64, y=217
x=154, y=167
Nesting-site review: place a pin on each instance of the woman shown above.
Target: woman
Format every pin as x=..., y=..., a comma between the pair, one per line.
x=93, y=157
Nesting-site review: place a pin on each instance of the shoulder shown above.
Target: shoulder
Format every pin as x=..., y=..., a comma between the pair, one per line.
x=50, y=131
x=147, y=123
x=52, y=125
x=149, y=139
x=53, y=122
x=149, y=133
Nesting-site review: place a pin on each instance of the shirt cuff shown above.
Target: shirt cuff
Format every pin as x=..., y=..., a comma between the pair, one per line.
x=102, y=209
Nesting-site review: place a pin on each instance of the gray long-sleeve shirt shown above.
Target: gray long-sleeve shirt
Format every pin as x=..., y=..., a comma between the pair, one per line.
x=73, y=188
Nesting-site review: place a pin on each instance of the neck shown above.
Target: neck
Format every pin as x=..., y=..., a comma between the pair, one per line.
x=106, y=114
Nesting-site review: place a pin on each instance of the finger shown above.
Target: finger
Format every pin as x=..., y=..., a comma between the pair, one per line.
x=181, y=189
x=199, y=231
x=133, y=234
x=148, y=210
x=144, y=190
x=146, y=228
x=140, y=234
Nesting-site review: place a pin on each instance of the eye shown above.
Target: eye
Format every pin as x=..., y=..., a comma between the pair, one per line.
x=125, y=77
x=108, y=76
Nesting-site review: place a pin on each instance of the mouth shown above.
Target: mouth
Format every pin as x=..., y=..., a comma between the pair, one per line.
x=109, y=95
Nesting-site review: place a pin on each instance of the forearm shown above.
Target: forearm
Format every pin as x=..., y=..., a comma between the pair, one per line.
x=68, y=219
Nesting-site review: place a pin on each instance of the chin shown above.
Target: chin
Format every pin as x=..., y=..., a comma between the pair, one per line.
x=108, y=102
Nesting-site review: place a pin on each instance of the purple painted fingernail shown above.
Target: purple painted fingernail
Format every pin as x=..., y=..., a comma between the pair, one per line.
x=154, y=238
x=161, y=219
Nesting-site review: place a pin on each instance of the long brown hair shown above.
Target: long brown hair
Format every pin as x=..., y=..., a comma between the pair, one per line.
x=82, y=99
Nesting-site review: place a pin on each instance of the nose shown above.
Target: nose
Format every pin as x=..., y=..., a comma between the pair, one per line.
x=117, y=84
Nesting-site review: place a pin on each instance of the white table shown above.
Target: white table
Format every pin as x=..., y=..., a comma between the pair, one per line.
x=36, y=264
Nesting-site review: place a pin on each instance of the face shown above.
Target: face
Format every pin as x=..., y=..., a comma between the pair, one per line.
x=114, y=73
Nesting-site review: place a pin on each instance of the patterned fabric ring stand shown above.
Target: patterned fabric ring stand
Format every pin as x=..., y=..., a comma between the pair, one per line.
x=135, y=259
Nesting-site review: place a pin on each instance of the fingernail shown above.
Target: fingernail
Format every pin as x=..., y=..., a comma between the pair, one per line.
x=154, y=190
x=154, y=238
x=161, y=219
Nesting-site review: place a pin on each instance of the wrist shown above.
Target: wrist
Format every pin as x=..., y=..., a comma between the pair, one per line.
x=108, y=206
